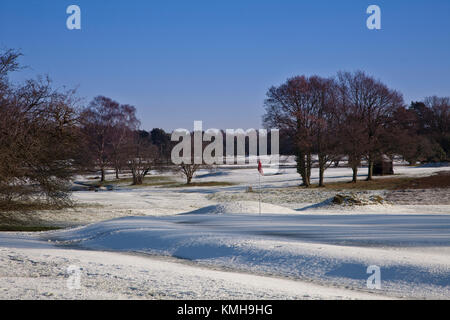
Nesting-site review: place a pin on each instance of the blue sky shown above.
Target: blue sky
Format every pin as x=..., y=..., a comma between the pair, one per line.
x=180, y=61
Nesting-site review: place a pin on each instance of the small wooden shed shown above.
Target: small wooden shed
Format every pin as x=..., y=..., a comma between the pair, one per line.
x=383, y=166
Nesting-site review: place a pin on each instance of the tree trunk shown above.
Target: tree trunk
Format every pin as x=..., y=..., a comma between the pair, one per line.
x=355, y=173
x=322, y=164
x=137, y=179
x=370, y=169
x=302, y=168
x=321, y=172
x=102, y=170
x=117, y=173
x=308, y=168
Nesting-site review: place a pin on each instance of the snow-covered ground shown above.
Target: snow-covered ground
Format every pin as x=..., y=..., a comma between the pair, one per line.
x=168, y=201
x=211, y=242
x=42, y=274
x=266, y=256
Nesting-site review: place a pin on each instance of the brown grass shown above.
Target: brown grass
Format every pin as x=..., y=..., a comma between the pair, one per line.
x=438, y=180
x=24, y=206
x=19, y=228
x=203, y=184
x=148, y=181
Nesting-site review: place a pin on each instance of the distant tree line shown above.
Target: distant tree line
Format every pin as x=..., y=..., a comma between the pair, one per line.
x=358, y=117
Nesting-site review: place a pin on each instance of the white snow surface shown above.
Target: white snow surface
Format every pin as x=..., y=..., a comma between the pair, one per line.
x=321, y=251
x=41, y=274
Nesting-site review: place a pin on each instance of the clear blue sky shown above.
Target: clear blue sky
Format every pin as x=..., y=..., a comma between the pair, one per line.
x=213, y=60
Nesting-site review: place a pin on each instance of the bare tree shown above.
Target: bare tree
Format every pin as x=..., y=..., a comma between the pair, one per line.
x=374, y=103
x=304, y=109
x=107, y=126
x=188, y=171
x=38, y=134
x=124, y=124
x=190, y=163
x=351, y=125
x=325, y=125
x=287, y=108
x=141, y=156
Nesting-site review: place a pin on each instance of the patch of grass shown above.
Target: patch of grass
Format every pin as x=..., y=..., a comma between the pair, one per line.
x=376, y=184
x=158, y=184
x=19, y=228
x=438, y=180
x=148, y=181
x=23, y=206
x=203, y=184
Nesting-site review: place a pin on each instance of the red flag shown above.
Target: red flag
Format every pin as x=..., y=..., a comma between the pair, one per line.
x=260, y=169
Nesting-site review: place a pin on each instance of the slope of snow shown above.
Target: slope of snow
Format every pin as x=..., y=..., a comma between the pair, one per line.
x=243, y=207
x=41, y=274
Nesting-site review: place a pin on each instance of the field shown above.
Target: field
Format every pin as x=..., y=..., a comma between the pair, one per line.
x=165, y=240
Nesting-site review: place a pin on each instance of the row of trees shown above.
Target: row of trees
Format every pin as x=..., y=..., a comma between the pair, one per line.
x=46, y=136
x=112, y=139
x=356, y=116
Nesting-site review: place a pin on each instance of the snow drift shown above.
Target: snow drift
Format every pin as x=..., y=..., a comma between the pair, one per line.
x=243, y=207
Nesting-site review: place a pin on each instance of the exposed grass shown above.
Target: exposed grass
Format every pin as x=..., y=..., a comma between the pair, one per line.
x=376, y=184
x=203, y=184
x=148, y=181
x=19, y=228
x=27, y=217
x=23, y=206
x=439, y=180
x=150, y=184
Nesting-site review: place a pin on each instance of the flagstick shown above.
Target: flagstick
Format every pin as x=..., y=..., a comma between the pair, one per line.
x=259, y=175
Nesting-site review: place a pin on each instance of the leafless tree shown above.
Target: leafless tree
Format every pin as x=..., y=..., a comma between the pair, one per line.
x=124, y=126
x=351, y=126
x=374, y=104
x=188, y=170
x=326, y=143
x=287, y=108
x=304, y=109
x=107, y=126
x=190, y=164
x=38, y=134
x=141, y=156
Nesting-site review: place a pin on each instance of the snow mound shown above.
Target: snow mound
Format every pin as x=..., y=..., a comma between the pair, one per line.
x=248, y=207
